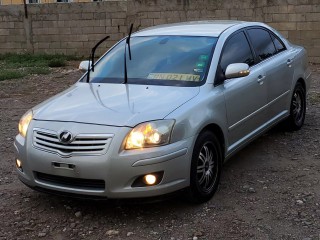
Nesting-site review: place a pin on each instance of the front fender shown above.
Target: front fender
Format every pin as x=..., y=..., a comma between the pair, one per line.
x=207, y=108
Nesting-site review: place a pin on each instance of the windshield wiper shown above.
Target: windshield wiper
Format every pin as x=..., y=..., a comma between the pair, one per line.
x=125, y=55
x=92, y=57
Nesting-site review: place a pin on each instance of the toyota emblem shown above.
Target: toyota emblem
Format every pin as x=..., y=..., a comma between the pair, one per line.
x=66, y=137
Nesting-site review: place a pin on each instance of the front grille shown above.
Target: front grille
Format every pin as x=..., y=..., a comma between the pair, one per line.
x=82, y=144
x=81, y=183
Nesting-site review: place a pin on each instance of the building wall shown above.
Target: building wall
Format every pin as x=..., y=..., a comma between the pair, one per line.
x=16, y=2
x=73, y=28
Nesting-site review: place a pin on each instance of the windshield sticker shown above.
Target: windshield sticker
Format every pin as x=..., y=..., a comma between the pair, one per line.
x=201, y=64
x=174, y=76
x=203, y=57
x=198, y=70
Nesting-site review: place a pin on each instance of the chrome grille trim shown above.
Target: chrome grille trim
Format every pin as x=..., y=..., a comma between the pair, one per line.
x=82, y=144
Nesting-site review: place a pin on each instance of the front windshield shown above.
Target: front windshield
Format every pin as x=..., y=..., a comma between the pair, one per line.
x=160, y=60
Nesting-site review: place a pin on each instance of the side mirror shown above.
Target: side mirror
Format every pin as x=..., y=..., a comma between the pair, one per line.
x=236, y=70
x=84, y=65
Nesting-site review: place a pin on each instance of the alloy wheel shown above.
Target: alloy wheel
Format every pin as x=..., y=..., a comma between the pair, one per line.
x=298, y=107
x=207, y=167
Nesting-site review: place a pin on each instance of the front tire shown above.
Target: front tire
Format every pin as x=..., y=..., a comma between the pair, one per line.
x=297, y=108
x=206, y=167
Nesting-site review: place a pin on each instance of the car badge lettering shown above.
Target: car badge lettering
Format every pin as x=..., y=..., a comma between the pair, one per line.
x=65, y=137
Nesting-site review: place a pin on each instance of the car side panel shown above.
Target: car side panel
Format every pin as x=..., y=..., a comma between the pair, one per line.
x=246, y=100
x=301, y=70
x=301, y=67
x=279, y=74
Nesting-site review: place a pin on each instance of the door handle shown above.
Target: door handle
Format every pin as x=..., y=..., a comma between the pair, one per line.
x=289, y=62
x=260, y=79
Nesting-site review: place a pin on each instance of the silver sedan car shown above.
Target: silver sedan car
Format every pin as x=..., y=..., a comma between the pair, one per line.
x=162, y=110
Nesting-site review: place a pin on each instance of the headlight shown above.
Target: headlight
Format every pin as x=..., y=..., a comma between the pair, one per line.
x=149, y=134
x=24, y=123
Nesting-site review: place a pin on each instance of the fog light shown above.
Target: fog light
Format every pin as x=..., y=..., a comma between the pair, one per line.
x=18, y=163
x=150, y=179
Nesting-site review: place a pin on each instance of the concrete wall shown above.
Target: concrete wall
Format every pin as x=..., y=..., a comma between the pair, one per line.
x=13, y=2
x=73, y=28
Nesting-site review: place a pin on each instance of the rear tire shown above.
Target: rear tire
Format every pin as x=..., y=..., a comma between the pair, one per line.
x=205, y=169
x=297, y=108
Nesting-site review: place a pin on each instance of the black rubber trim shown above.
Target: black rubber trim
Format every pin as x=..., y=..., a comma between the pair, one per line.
x=94, y=184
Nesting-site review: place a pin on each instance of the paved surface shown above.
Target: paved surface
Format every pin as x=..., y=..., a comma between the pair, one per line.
x=269, y=190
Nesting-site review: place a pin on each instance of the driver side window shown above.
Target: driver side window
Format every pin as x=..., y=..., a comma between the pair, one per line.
x=237, y=50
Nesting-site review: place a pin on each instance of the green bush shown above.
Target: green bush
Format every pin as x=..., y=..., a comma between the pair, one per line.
x=57, y=62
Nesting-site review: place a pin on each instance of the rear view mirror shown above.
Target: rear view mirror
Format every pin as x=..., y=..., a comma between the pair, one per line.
x=236, y=70
x=84, y=65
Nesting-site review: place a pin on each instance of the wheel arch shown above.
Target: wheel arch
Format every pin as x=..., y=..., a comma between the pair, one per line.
x=292, y=124
x=302, y=81
x=216, y=129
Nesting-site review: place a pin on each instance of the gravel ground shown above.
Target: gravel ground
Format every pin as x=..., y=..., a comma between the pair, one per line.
x=269, y=190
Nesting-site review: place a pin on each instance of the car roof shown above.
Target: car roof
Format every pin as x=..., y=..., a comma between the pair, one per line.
x=211, y=28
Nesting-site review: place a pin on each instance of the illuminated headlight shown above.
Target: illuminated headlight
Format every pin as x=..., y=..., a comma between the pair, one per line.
x=24, y=123
x=150, y=134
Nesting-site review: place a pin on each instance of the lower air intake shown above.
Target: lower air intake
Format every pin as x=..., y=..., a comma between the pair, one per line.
x=80, y=183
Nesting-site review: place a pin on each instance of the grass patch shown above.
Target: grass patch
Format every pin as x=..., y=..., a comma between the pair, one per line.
x=20, y=65
x=10, y=74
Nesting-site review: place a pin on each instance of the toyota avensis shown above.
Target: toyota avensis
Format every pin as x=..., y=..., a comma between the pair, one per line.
x=162, y=110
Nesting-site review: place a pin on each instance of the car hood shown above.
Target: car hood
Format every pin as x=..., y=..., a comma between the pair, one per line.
x=114, y=104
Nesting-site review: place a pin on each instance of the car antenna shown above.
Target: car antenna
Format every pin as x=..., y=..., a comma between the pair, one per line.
x=125, y=55
x=92, y=57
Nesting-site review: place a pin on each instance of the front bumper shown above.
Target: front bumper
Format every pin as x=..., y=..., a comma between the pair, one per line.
x=117, y=169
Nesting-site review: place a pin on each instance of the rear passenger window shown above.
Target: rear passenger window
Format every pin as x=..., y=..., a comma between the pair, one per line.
x=237, y=50
x=279, y=45
x=262, y=43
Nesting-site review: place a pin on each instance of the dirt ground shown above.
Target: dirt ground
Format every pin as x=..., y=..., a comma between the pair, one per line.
x=269, y=190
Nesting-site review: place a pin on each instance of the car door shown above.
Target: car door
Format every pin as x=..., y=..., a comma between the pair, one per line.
x=245, y=97
x=277, y=62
